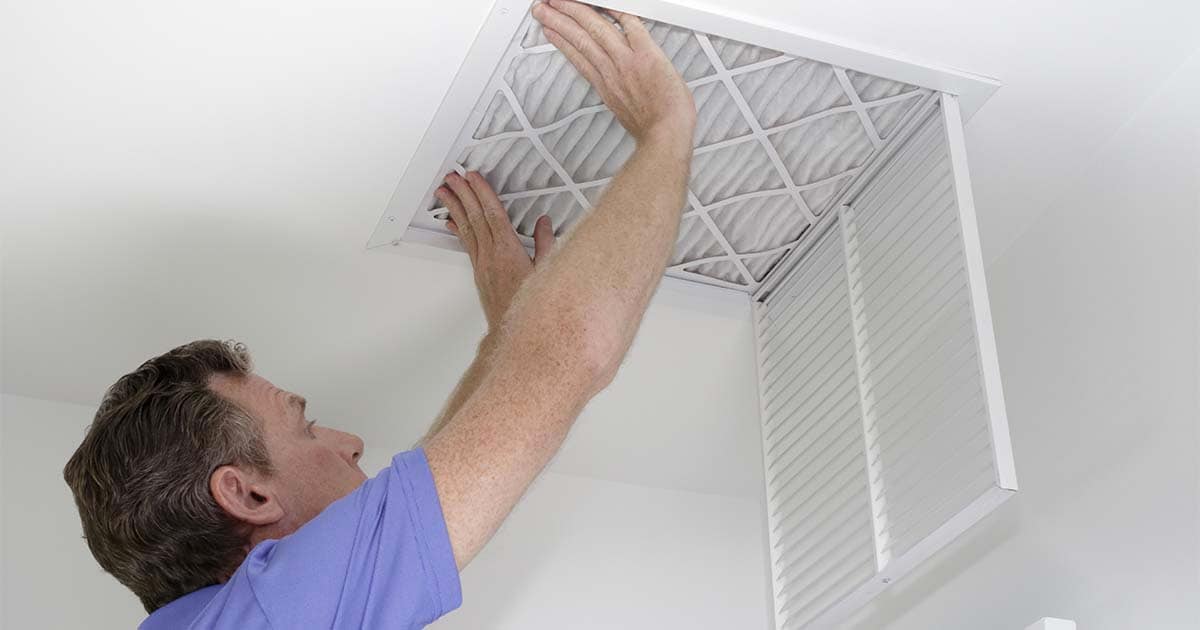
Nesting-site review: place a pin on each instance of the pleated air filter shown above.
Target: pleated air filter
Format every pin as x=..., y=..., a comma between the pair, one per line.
x=777, y=138
x=829, y=184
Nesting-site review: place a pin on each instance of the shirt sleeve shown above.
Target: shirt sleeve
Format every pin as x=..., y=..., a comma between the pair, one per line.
x=377, y=558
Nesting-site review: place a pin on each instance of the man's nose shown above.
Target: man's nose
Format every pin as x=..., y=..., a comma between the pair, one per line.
x=352, y=446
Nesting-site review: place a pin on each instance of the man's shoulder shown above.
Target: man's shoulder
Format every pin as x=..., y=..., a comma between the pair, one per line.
x=383, y=550
x=233, y=604
x=181, y=612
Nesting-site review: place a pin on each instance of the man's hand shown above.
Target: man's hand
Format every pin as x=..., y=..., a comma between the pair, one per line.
x=482, y=225
x=630, y=72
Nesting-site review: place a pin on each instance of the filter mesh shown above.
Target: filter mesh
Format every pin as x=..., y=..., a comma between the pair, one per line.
x=777, y=138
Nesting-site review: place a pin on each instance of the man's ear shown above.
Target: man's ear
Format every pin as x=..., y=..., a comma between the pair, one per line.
x=243, y=498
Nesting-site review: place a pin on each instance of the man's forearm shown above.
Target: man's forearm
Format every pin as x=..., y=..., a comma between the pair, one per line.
x=580, y=310
x=466, y=385
x=611, y=264
x=560, y=342
x=608, y=269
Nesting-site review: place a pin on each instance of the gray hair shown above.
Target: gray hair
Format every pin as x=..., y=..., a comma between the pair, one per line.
x=141, y=476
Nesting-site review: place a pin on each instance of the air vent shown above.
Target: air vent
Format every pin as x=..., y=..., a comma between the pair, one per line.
x=777, y=138
x=829, y=184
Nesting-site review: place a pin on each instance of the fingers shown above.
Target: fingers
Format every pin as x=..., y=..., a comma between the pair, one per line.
x=458, y=217
x=475, y=223
x=576, y=58
x=493, y=210
x=543, y=238
x=478, y=216
x=610, y=39
x=630, y=72
x=579, y=38
x=635, y=32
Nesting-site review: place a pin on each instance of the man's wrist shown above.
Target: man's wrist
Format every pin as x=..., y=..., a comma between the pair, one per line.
x=673, y=137
x=489, y=341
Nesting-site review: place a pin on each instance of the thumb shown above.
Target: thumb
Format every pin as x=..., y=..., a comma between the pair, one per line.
x=543, y=238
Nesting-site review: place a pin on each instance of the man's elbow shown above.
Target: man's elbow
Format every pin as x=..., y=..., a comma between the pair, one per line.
x=601, y=352
x=589, y=350
x=585, y=342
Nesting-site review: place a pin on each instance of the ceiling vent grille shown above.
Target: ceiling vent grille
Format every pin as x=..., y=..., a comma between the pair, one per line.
x=829, y=184
x=884, y=433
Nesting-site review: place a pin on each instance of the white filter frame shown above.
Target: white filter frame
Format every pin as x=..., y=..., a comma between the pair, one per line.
x=464, y=106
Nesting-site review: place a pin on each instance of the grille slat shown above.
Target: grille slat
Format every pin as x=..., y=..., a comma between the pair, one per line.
x=875, y=420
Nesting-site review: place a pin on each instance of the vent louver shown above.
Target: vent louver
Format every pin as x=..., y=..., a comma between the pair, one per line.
x=883, y=434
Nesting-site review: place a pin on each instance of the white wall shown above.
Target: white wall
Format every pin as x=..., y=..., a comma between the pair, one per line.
x=586, y=553
x=50, y=579
x=578, y=552
x=1096, y=319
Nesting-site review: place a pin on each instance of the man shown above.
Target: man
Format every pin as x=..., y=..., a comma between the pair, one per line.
x=204, y=489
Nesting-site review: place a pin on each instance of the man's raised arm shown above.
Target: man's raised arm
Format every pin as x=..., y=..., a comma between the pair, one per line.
x=573, y=319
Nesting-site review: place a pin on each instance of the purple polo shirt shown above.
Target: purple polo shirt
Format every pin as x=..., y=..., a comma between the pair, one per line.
x=377, y=558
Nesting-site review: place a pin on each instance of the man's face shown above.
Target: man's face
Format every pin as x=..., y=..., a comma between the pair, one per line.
x=314, y=465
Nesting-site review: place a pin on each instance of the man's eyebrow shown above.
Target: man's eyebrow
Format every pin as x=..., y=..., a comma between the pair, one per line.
x=298, y=401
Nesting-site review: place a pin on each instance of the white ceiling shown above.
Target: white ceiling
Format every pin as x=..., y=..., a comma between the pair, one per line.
x=173, y=169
